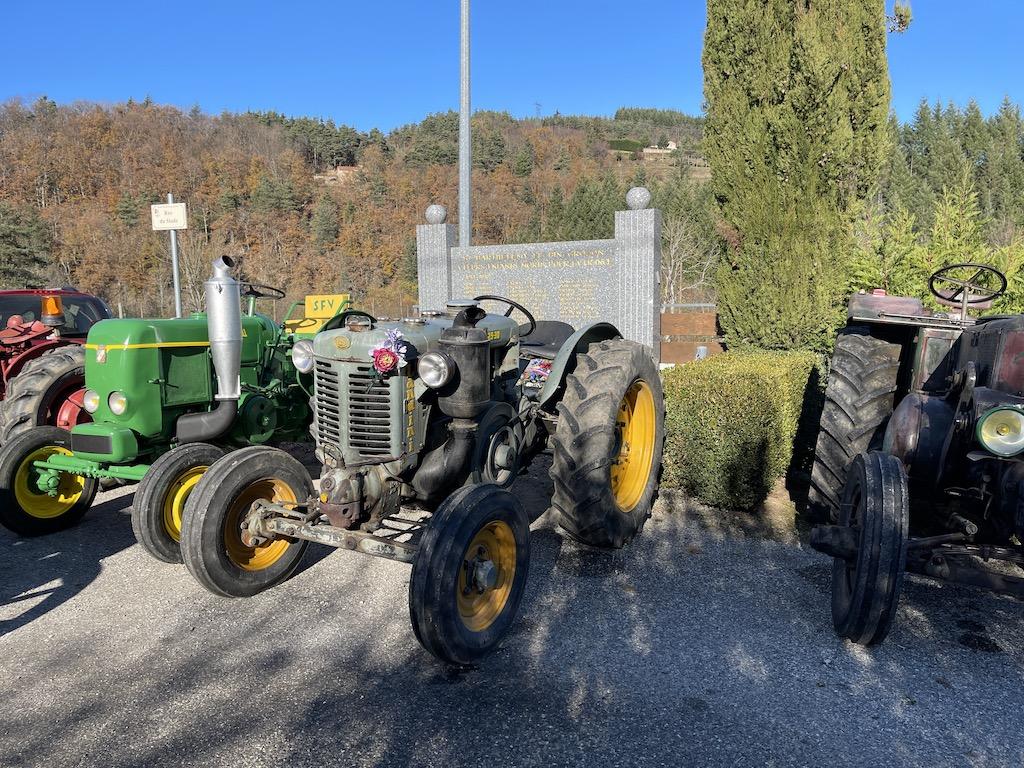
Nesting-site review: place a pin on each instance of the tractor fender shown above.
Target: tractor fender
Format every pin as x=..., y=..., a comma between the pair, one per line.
x=18, y=361
x=565, y=361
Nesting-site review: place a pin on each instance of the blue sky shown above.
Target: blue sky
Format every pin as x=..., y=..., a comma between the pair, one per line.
x=385, y=64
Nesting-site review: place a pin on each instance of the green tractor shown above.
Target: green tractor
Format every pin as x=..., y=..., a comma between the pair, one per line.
x=167, y=397
x=421, y=425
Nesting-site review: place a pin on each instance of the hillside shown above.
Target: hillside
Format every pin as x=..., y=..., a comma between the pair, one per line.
x=304, y=203
x=313, y=206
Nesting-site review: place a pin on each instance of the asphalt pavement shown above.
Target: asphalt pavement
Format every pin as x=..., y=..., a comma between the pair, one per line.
x=695, y=645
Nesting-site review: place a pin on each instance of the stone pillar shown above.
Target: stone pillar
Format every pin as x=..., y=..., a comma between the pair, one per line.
x=638, y=270
x=434, y=241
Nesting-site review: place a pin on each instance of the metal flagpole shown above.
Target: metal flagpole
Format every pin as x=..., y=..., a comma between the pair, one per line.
x=465, y=139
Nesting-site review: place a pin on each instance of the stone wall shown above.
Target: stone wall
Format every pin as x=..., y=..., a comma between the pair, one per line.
x=578, y=282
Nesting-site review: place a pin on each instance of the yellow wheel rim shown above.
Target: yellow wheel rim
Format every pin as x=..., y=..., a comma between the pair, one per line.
x=494, y=542
x=36, y=503
x=635, y=428
x=177, y=495
x=261, y=557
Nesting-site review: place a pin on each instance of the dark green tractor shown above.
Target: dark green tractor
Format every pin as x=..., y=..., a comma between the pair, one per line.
x=920, y=457
x=442, y=412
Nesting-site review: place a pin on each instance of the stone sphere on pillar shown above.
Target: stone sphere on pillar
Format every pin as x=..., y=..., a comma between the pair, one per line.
x=638, y=198
x=436, y=214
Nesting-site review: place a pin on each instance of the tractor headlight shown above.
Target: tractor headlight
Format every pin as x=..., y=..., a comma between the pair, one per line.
x=435, y=369
x=302, y=356
x=117, y=403
x=91, y=401
x=1001, y=431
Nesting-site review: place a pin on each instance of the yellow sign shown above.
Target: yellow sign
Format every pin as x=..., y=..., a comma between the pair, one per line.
x=325, y=306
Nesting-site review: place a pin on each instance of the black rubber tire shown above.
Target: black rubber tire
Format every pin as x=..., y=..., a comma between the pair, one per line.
x=148, y=522
x=433, y=585
x=30, y=394
x=865, y=593
x=859, y=400
x=203, y=548
x=584, y=443
x=13, y=453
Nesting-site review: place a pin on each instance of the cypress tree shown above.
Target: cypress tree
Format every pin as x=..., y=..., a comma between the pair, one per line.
x=797, y=136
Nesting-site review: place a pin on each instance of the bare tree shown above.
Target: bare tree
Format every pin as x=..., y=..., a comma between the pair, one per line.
x=688, y=262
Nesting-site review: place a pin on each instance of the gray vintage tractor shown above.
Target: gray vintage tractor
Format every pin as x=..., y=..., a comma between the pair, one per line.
x=920, y=456
x=441, y=411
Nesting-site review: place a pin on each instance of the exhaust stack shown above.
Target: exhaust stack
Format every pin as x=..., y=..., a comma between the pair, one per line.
x=224, y=321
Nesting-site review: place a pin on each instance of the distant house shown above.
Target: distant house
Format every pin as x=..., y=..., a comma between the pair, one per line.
x=654, y=151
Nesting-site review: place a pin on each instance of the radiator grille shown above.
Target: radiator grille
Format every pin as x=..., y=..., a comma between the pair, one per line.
x=328, y=404
x=369, y=413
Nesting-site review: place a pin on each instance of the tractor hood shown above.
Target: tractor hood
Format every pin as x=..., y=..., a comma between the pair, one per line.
x=996, y=347
x=161, y=366
x=421, y=336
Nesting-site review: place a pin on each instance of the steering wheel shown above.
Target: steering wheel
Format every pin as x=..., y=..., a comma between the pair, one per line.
x=531, y=321
x=260, y=291
x=975, y=289
x=338, y=321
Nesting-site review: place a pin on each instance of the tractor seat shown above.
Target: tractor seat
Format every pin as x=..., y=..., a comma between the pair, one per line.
x=546, y=340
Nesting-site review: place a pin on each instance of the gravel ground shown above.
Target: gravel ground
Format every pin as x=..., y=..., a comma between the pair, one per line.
x=694, y=645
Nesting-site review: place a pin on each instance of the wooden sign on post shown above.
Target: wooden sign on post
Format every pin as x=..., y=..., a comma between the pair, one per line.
x=169, y=216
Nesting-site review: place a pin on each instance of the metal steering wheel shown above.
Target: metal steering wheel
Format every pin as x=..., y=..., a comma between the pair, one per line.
x=967, y=290
x=260, y=291
x=512, y=305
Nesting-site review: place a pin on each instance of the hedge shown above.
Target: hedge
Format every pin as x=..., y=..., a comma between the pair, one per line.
x=730, y=424
x=625, y=145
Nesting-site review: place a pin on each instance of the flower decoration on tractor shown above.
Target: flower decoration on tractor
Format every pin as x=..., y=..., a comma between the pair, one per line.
x=389, y=356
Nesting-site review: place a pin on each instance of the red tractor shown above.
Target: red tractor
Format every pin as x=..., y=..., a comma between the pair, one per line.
x=42, y=358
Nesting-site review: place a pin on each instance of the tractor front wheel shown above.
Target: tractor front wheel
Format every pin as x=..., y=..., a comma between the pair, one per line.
x=48, y=390
x=608, y=444
x=866, y=588
x=161, y=495
x=469, y=573
x=36, y=501
x=211, y=537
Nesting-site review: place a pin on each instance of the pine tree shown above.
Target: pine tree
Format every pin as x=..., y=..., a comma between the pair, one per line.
x=324, y=223
x=554, y=225
x=24, y=249
x=796, y=134
x=525, y=158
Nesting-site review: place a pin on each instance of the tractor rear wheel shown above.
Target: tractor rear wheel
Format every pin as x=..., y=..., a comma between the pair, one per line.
x=608, y=444
x=469, y=573
x=859, y=400
x=211, y=537
x=25, y=507
x=48, y=390
x=866, y=589
x=161, y=496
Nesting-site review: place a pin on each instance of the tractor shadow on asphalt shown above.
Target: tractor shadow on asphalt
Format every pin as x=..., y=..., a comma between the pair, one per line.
x=41, y=573
x=699, y=642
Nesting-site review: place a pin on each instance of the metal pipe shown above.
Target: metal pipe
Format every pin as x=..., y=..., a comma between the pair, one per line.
x=465, y=136
x=224, y=324
x=174, y=265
